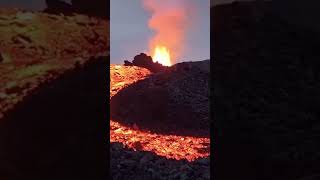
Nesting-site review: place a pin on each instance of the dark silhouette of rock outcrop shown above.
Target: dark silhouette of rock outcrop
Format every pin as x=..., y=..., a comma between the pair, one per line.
x=145, y=61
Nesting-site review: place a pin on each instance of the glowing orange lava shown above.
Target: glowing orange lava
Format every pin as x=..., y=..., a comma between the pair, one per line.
x=162, y=55
x=169, y=146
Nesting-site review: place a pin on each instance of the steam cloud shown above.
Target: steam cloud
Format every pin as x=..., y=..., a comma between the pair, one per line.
x=169, y=20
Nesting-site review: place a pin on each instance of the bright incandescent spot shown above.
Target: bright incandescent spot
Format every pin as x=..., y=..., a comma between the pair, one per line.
x=162, y=56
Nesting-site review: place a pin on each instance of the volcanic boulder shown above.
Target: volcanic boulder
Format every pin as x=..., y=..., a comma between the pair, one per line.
x=175, y=101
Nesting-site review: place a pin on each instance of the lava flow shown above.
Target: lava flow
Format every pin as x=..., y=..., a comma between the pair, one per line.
x=169, y=146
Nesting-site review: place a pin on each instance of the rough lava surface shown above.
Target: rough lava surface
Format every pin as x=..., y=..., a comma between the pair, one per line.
x=139, y=154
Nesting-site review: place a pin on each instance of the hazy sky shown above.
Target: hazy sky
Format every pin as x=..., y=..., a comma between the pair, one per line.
x=130, y=32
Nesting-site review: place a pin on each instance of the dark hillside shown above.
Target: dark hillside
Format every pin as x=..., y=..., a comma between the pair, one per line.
x=58, y=131
x=174, y=101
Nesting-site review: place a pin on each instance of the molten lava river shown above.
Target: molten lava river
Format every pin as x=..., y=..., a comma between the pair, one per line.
x=169, y=146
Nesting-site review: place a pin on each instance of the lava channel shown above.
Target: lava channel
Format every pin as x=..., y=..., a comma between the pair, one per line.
x=169, y=146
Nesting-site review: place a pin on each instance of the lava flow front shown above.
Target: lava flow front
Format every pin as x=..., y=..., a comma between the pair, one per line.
x=169, y=146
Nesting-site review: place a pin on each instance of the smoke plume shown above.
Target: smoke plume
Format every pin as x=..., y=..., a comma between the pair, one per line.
x=169, y=21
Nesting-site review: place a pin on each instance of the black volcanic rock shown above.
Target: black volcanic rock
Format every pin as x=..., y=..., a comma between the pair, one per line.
x=175, y=101
x=128, y=63
x=145, y=61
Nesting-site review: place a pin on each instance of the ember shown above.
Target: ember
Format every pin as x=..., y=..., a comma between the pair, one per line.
x=169, y=146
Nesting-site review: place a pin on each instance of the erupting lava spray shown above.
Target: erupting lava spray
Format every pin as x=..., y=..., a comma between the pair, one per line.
x=169, y=21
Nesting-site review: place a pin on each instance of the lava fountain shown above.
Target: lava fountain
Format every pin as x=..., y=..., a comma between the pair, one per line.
x=162, y=55
x=169, y=21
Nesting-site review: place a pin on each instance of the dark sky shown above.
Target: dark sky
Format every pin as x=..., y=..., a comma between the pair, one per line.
x=130, y=32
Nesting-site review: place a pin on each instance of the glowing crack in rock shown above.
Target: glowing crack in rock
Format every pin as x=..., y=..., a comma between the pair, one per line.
x=169, y=146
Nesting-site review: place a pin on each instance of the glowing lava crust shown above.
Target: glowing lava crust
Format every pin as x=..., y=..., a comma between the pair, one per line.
x=169, y=146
